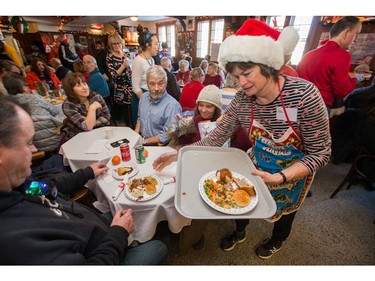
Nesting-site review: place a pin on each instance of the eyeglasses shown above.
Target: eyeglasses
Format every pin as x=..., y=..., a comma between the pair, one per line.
x=116, y=43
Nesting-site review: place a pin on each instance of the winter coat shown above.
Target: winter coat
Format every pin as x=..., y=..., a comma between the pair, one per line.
x=46, y=137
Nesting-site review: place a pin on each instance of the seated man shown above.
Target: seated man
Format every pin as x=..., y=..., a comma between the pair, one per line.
x=39, y=226
x=61, y=71
x=156, y=108
x=97, y=82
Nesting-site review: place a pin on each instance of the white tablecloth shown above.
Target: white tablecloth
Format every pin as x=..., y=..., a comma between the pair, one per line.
x=89, y=147
x=146, y=214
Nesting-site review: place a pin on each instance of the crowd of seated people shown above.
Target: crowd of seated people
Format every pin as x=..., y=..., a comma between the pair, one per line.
x=161, y=93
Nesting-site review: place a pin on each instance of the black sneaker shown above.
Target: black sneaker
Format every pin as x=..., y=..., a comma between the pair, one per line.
x=228, y=243
x=268, y=248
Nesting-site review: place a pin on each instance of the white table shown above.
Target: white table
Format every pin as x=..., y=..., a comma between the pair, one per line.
x=88, y=147
x=146, y=214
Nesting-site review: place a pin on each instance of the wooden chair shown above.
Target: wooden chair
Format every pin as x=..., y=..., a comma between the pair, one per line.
x=355, y=173
x=37, y=158
x=80, y=194
x=38, y=155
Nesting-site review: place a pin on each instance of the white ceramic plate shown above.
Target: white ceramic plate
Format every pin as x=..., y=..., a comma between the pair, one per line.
x=146, y=196
x=124, y=164
x=231, y=211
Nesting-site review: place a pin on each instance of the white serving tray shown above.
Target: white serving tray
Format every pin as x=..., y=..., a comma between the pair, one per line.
x=195, y=161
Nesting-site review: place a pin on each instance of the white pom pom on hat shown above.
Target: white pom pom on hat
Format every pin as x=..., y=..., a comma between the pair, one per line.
x=210, y=94
x=257, y=42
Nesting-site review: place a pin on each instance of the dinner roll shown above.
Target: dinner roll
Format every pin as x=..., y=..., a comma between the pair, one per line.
x=241, y=198
x=150, y=189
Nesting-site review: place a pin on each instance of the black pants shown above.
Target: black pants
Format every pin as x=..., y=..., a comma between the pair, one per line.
x=281, y=228
x=123, y=111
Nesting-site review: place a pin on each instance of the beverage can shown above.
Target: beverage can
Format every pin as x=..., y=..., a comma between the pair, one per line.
x=139, y=149
x=125, y=152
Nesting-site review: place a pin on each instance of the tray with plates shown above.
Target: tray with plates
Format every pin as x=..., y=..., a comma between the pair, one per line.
x=194, y=162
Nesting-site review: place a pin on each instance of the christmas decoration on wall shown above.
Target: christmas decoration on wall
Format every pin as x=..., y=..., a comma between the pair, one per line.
x=19, y=24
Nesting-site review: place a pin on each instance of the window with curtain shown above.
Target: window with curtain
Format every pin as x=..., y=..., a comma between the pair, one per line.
x=166, y=33
x=208, y=32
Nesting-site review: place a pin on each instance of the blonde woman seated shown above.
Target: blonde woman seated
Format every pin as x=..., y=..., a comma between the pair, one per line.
x=84, y=109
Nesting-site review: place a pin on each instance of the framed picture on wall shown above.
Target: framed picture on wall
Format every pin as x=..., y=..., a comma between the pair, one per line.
x=190, y=25
x=83, y=41
x=130, y=35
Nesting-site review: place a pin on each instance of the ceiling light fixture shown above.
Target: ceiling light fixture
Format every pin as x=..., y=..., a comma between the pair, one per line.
x=134, y=18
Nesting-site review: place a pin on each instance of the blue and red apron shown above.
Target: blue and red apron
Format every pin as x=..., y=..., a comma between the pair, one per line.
x=273, y=155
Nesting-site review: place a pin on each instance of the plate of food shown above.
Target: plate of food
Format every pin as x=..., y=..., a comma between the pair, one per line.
x=143, y=187
x=228, y=192
x=124, y=169
x=55, y=101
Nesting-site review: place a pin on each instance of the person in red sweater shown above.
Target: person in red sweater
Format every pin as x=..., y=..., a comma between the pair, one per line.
x=192, y=89
x=328, y=67
x=183, y=74
x=212, y=76
x=41, y=73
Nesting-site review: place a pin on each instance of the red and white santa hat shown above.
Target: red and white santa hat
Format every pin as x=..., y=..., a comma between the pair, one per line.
x=257, y=42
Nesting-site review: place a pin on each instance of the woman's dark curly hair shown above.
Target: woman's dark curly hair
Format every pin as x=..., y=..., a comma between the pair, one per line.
x=144, y=37
x=35, y=68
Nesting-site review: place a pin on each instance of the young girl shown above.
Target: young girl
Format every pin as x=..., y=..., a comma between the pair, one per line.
x=208, y=109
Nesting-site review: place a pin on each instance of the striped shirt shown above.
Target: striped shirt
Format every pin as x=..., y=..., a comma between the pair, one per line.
x=311, y=124
x=227, y=95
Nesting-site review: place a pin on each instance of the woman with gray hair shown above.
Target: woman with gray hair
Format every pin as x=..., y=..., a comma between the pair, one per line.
x=183, y=74
x=204, y=66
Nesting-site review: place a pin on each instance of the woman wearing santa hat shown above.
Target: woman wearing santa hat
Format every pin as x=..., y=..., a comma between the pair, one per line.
x=286, y=121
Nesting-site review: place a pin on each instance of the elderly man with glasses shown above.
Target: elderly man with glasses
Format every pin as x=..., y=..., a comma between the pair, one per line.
x=97, y=82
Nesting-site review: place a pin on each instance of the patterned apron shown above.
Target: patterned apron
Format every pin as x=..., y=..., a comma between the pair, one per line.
x=273, y=155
